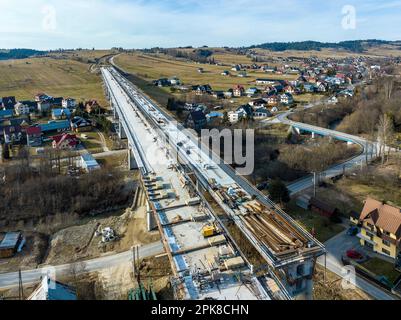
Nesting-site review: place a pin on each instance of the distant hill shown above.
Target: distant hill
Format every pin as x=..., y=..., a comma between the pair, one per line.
x=357, y=46
x=6, y=54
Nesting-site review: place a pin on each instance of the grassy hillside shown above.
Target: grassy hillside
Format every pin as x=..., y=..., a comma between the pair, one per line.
x=57, y=77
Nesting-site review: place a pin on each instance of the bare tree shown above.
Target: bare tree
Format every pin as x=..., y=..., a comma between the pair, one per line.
x=388, y=86
x=385, y=134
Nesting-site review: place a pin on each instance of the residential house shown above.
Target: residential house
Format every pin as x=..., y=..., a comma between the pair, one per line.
x=196, y=120
x=65, y=141
x=34, y=136
x=225, y=73
x=200, y=70
x=88, y=163
x=257, y=103
x=238, y=91
x=269, y=90
x=32, y=105
x=279, y=88
x=79, y=124
x=346, y=93
x=228, y=94
x=189, y=106
x=163, y=82
x=333, y=100
x=200, y=107
x=291, y=89
x=69, y=103
x=55, y=126
x=309, y=87
x=56, y=102
x=52, y=290
x=22, y=122
x=273, y=100
x=91, y=106
x=233, y=117
x=268, y=69
x=321, y=86
x=214, y=115
x=286, y=98
x=261, y=113
x=203, y=89
x=218, y=94
x=8, y=103
x=9, y=244
x=6, y=114
x=322, y=208
x=265, y=81
x=354, y=217
x=250, y=92
x=42, y=97
x=236, y=68
x=381, y=228
x=303, y=202
x=44, y=106
x=341, y=77
x=59, y=114
x=12, y=134
x=242, y=74
x=245, y=111
x=301, y=79
x=174, y=81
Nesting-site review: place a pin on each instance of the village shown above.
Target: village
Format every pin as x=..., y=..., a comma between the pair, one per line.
x=61, y=124
x=270, y=90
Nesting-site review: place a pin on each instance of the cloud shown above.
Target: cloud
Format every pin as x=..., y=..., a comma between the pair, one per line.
x=168, y=23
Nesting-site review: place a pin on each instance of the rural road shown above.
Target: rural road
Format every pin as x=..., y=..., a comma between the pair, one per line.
x=32, y=276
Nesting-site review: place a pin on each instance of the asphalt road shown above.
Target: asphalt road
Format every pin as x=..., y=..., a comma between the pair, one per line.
x=32, y=276
x=368, y=150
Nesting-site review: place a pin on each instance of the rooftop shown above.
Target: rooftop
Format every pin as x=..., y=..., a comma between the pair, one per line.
x=382, y=215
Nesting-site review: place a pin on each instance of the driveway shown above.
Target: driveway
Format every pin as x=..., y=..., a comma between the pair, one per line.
x=335, y=248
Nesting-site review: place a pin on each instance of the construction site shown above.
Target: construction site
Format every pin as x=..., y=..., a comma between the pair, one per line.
x=206, y=261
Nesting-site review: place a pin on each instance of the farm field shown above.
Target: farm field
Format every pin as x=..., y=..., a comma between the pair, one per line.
x=151, y=67
x=57, y=77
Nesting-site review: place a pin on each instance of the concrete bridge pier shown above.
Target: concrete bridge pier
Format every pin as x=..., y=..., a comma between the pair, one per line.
x=132, y=165
x=297, y=130
x=121, y=132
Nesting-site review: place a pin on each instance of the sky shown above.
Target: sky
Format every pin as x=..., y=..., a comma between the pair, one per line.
x=102, y=24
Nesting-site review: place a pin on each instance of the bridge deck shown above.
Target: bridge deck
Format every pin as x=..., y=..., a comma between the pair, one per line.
x=196, y=261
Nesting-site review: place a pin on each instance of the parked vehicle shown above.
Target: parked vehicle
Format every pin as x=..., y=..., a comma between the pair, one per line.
x=262, y=186
x=353, y=231
x=355, y=255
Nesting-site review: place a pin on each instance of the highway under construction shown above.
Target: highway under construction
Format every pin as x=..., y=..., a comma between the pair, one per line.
x=206, y=260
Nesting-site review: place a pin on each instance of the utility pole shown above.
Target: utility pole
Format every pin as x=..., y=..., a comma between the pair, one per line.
x=136, y=264
x=20, y=286
x=314, y=184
